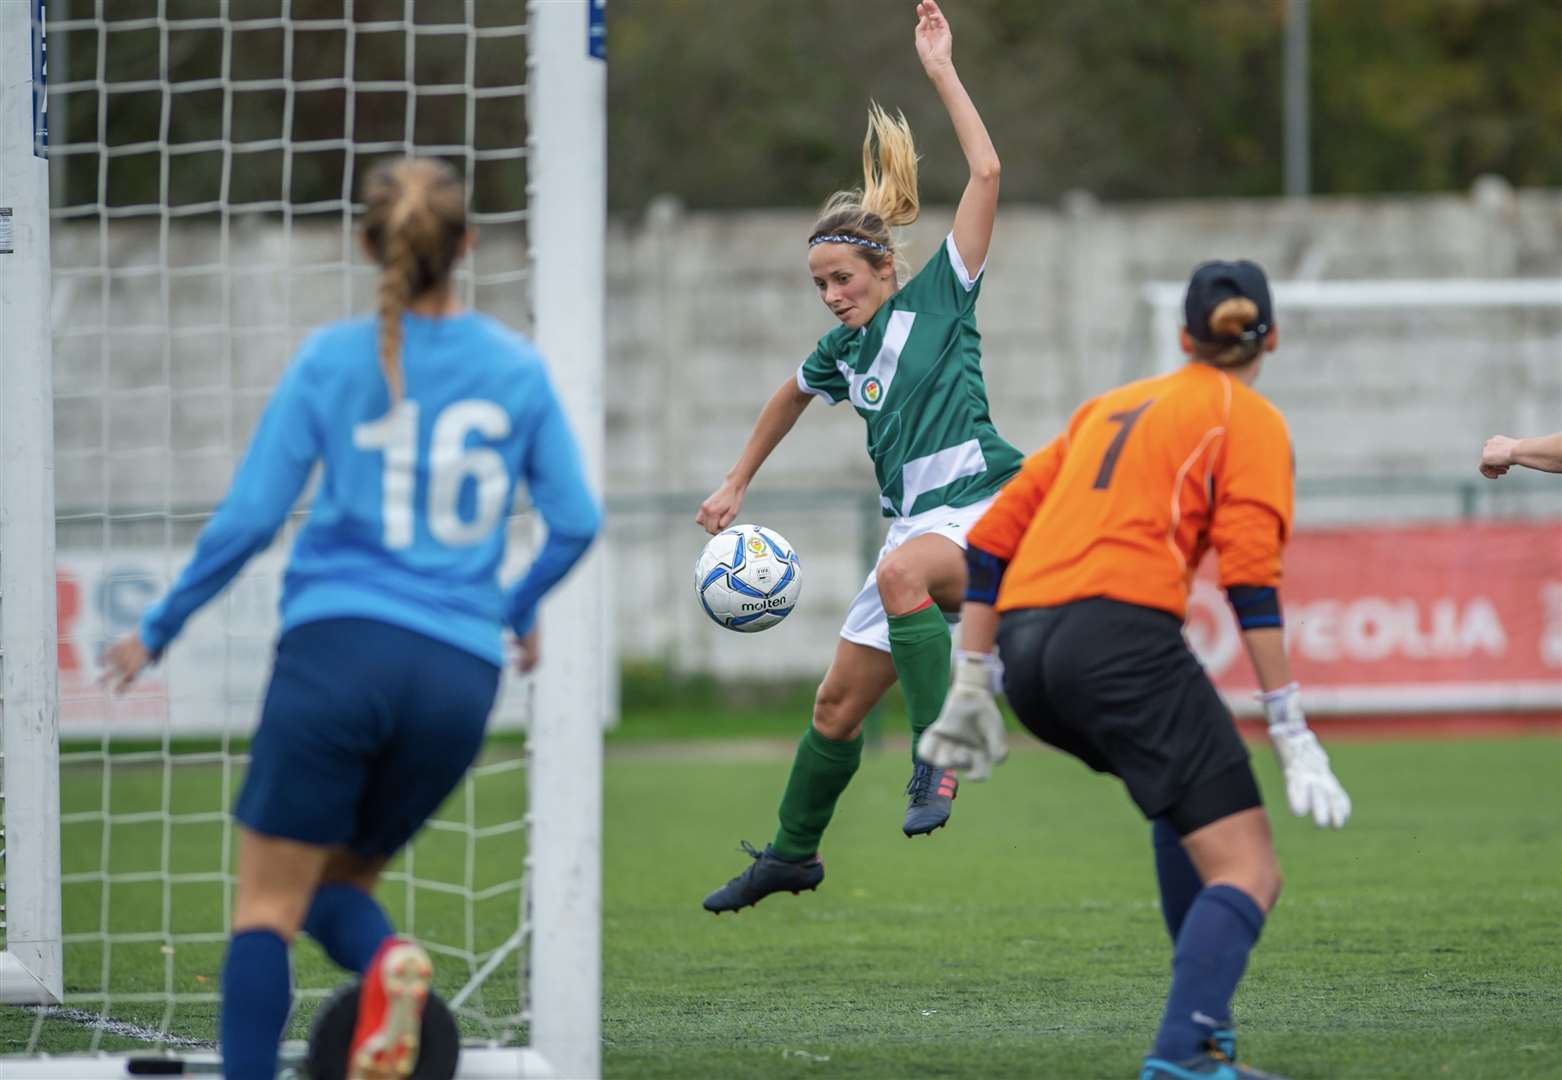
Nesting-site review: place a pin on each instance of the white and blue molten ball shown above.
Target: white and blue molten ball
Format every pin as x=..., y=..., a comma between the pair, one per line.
x=748, y=578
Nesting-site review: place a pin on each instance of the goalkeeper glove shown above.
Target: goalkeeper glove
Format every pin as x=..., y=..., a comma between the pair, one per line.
x=1310, y=785
x=968, y=733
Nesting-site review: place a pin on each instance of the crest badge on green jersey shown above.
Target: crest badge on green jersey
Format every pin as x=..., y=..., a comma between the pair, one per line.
x=935, y=444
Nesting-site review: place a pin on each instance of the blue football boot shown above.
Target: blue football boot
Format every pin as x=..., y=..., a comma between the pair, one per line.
x=1211, y=1066
x=768, y=873
x=930, y=795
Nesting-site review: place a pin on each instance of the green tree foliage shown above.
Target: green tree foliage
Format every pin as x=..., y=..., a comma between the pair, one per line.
x=730, y=103
x=735, y=103
x=1422, y=95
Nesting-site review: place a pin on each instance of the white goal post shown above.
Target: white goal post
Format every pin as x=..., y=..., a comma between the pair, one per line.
x=567, y=110
x=174, y=307
x=1407, y=372
x=30, y=959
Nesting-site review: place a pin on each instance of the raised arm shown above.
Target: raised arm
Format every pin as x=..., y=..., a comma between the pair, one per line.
x=973, y=230
x=775, y=420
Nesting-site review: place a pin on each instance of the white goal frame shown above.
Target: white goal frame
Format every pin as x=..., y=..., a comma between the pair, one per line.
x=566, y=207
x=31, y=961
x=1165, y=301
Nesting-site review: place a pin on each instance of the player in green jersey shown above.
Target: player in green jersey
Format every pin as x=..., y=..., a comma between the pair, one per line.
x=908, y=358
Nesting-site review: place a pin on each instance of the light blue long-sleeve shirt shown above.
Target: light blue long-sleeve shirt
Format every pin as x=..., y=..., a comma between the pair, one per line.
x=407, y=525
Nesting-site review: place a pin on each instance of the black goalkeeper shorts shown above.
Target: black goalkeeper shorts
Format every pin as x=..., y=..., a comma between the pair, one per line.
x=1116, y=686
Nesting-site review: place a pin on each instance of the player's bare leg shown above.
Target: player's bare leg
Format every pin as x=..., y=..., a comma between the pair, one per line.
x=827, y=758
x=276, y=879
x=918, y=582
x=346, y=867
x=927, y=567
x=1235, y=859
x=1238, y=850
x=858, y=678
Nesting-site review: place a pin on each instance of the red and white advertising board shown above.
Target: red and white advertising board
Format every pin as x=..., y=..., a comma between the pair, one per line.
x=1436, y=618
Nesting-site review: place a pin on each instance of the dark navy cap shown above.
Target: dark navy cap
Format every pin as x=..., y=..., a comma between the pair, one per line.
x=1214, y=282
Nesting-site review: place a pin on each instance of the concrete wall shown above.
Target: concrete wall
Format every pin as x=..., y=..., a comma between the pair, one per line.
x=711, y=312
x=159, y=377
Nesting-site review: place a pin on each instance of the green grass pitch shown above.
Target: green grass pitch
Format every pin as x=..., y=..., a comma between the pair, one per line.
x=1423, y=940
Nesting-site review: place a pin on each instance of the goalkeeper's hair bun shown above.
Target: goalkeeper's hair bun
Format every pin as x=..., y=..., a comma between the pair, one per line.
x=1232, y=316
x=414, y=223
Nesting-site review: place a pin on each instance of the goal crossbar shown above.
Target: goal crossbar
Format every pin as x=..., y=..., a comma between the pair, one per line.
x=1164, y=299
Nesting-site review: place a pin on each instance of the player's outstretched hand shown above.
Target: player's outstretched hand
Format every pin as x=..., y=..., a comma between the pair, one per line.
x=721, y=509
x=123, y=662
x=527, y=652
x=934, y=41
x=1310, y=785
x=968, y=734
x=1497, y=456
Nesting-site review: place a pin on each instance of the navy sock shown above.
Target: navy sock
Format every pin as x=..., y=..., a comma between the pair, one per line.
x=1221, y=928
x=349, y=925
x=256, y=997
x=1175, y=872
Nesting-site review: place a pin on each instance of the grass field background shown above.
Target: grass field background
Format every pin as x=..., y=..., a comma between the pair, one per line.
x=1423, y=940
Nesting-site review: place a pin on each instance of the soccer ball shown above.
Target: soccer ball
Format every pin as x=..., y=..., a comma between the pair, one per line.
x=747, y=578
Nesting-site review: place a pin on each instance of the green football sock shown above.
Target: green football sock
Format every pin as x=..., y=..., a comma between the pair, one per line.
x=919, y=645
x=820, y=772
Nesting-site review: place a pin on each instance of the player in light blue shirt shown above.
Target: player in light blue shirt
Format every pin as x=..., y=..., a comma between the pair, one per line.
x=424, y=422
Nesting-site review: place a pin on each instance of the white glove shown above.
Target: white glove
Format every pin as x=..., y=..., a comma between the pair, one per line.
x=1310, y=785
x=968, y=733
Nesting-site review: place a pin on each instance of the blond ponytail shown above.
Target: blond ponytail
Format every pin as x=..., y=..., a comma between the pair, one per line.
x=887, y=198
x=414, y=223
x=889, y=168
x=392, y=295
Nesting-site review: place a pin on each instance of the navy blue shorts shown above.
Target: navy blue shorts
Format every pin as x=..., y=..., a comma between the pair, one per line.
x=365, y=730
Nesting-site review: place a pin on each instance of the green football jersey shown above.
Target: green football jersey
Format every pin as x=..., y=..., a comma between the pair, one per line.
x=914, y=373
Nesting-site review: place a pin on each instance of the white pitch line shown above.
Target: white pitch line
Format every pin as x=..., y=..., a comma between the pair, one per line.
x=123, y=1028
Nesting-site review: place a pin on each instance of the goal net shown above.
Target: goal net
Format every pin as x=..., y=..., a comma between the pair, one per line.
x=203, y=166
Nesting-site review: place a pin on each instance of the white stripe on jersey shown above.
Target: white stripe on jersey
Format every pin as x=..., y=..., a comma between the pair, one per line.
x=925, y=474
x=802, y=384
x=882, y=370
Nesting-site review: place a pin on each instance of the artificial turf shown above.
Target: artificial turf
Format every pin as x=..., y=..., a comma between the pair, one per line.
x=1425, y=939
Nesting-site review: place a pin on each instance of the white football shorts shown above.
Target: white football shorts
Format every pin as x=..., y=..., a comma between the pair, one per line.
x=866, y=623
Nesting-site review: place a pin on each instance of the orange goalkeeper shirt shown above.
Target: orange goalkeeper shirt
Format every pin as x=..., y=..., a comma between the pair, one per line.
x=1146, y=478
